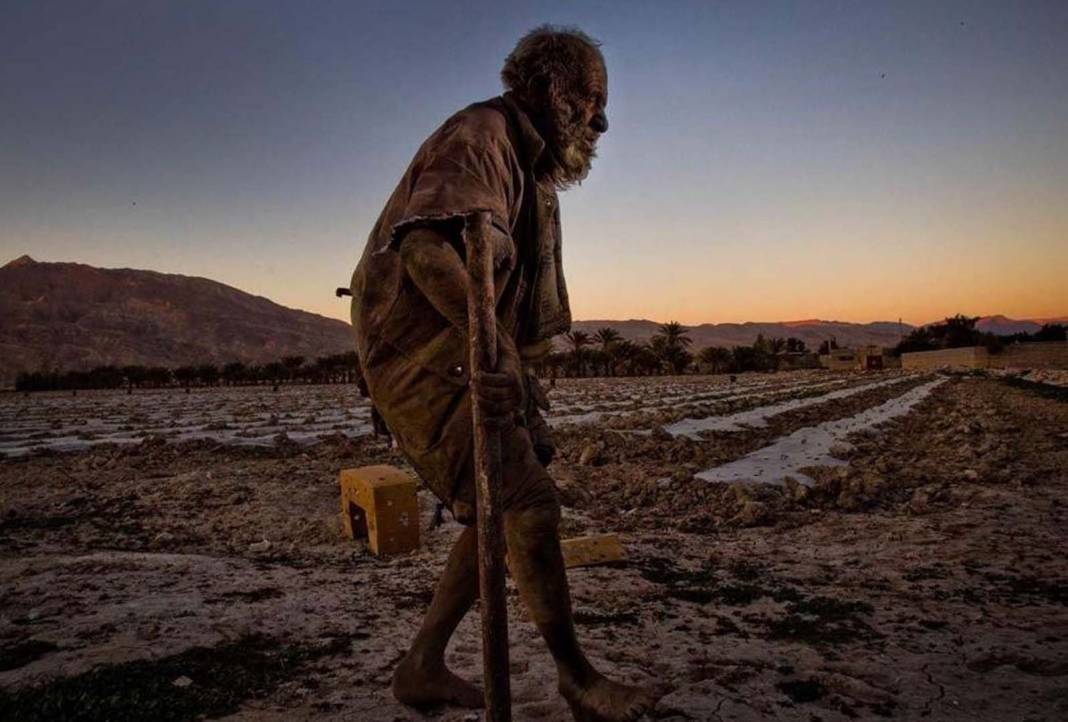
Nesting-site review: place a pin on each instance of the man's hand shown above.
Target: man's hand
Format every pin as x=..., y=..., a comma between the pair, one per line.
x=438, y=271
x=502, y=389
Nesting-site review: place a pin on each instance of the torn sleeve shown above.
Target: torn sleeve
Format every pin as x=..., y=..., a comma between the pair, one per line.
x=459, y=177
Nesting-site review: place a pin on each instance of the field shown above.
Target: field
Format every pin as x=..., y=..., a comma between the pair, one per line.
x=803, y=546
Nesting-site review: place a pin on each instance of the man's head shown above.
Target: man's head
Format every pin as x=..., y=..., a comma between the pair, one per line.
x=559, y=76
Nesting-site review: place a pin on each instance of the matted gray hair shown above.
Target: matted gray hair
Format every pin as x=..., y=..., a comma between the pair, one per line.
x=550, y=61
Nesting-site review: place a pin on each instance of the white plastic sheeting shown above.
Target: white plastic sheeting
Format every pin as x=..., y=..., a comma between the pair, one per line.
x=812, y=445
x=759, y=416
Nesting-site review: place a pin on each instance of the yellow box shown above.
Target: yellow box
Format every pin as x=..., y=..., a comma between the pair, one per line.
x=587, y=551
x=379, y=503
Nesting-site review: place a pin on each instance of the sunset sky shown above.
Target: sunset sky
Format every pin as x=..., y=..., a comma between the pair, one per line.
x=848, y=161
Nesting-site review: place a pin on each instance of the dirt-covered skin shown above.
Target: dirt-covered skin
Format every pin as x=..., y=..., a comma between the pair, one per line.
x=925, y=580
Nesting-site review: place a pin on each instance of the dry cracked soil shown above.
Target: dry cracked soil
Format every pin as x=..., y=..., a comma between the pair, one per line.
x=923, y=579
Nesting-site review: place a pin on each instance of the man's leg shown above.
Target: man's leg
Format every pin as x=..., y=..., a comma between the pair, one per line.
x=531, y=526
x=421, y=679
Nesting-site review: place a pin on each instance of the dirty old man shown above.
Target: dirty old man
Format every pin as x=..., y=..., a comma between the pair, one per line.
x=508, y=155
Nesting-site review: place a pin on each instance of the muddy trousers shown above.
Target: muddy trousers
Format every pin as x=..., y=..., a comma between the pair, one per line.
x=531, y=526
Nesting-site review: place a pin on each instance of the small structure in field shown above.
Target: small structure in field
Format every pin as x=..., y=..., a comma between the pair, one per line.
x=790, y=360
x=587, y=551
x=379, y=503
x=876, y=358
x=1031, y=355
x=839, y=359
x=969, y=357
x=862, y=358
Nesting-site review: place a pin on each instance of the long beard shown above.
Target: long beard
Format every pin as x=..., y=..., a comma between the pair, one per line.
x=572, y=148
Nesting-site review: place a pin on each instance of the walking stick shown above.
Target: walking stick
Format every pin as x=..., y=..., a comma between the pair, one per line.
x=482, y=332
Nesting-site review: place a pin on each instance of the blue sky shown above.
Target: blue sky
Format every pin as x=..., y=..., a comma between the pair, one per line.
x=766, y=161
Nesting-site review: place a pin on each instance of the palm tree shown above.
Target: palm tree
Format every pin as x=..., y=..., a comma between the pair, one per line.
x=670, y=345
x=578, y=341
x=716, y=359
x=234, y=372
x=677, y=358
x=622, y=355
x=658, y=346
x=158, y=376
x=646, y=360
x=185, y=375
x=208, y=374
x=554, y=362
x=745, y=358
x=674, y=334
x=135, y=376
x=350, y=366
x=293, y=365
x=607, y=337
x=275, y=371
x=599, y=361
x=254, y=374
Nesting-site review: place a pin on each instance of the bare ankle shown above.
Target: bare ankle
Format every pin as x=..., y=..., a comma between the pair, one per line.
x=418, y=660
x=577, y=675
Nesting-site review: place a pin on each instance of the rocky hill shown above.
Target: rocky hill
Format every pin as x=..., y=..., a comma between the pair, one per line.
x=1002, y=326
x=70, y=315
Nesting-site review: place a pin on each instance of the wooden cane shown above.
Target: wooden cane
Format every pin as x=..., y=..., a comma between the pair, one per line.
x=482, y=332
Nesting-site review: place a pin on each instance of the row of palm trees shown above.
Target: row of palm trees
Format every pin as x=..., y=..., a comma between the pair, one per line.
x=603, y=353
x=332, y=369
x=606, y=353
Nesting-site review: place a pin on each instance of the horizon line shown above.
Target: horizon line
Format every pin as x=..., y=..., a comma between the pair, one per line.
x=27, y=259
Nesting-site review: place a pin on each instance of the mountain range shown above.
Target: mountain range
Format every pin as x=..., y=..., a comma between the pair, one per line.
x=812, y=332
x=75, y=316
x=1002, y=326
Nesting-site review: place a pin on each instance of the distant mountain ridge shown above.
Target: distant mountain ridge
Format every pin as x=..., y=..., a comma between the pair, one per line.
x=812, y=331
x=1001, y=326
x=75, y=316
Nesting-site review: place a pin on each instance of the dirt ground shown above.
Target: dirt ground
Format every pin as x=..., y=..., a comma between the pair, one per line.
x=925, y=579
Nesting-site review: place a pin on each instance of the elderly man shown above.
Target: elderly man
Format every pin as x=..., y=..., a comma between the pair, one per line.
x=508, y=155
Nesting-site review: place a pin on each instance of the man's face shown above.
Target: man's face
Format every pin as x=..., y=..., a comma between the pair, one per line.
x=576, y=124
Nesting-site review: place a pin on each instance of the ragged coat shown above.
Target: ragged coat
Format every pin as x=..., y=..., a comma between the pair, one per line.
x=413, y=360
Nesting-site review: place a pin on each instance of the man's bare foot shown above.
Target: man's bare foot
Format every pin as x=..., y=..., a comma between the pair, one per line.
x=602, y=700
x=421, y=686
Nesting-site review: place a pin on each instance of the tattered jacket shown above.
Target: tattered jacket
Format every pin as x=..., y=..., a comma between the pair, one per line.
x=414, y=361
